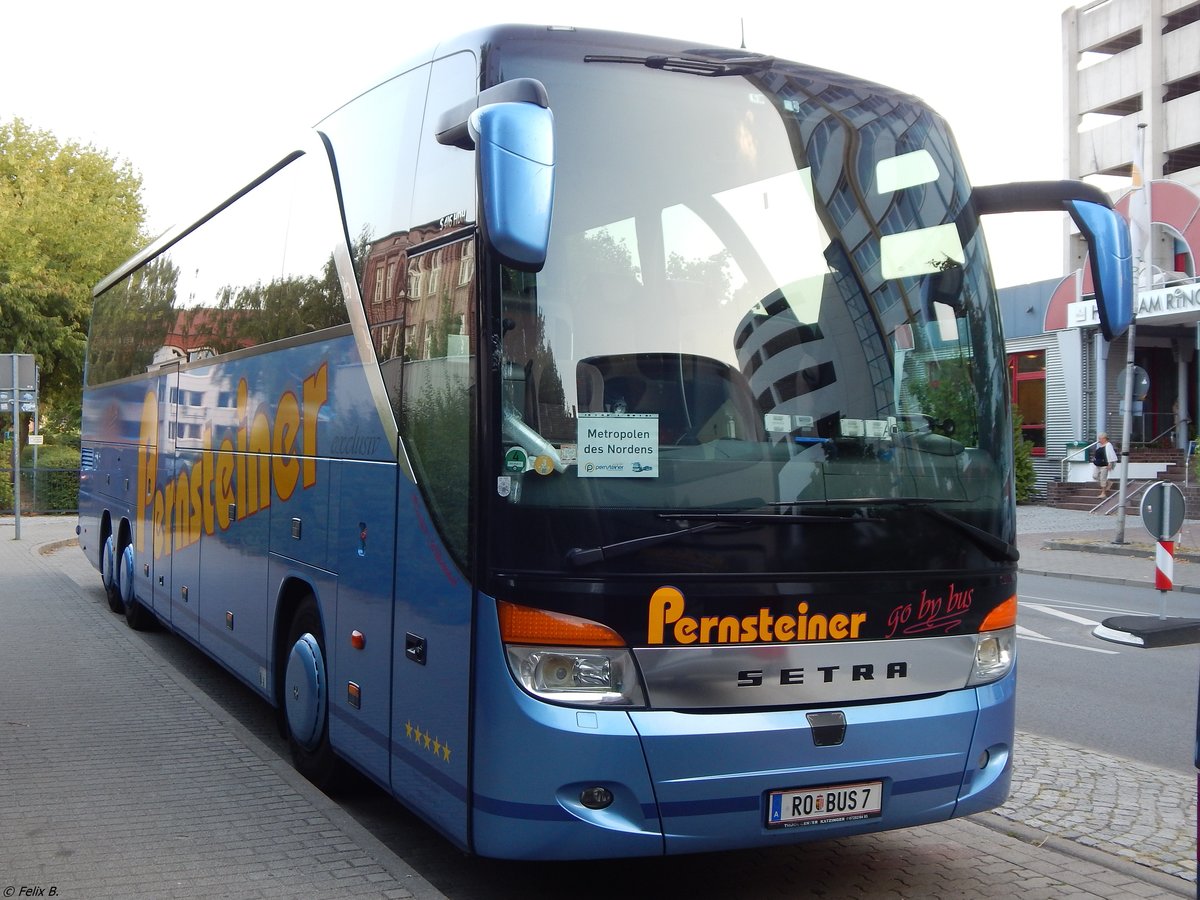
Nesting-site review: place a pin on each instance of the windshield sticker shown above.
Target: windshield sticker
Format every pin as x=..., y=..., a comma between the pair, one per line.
x=618, y=445
x=543, y=465
x=877, y=428
x=776, y=423
x=516, y=460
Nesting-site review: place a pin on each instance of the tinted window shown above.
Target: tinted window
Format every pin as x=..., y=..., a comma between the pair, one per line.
x=259, y=270
x=410, y=209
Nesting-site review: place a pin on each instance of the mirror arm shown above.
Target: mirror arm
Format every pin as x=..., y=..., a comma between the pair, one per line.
x=1109, y=250
x=1034, y=196
x=451, y=129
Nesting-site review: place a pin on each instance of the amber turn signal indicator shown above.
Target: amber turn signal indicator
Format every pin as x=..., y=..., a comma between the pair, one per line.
x=525, y=625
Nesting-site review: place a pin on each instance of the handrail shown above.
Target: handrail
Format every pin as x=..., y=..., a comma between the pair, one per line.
x=1168, y=430
x=1116, y=496
x=1062, y=465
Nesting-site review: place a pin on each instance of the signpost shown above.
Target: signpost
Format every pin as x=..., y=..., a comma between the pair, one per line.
x=1162, y=514
x=18, y=394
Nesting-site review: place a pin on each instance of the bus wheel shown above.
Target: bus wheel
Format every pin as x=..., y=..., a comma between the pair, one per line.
x=108, y=574
x=138, y=617
x=305, y=698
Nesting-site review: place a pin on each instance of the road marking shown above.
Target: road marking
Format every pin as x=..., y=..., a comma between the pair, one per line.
x=1080, y=605
x=1028, y=635
x=1051, y=611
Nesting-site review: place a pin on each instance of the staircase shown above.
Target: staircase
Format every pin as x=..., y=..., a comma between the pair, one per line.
x=1086, y=495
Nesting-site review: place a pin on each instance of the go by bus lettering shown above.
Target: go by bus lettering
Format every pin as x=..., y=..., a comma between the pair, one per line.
x=236, y=476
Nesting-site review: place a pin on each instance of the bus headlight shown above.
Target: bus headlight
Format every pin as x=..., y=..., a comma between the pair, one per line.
x=567, y=659
x=595, y=677
x=994, y=656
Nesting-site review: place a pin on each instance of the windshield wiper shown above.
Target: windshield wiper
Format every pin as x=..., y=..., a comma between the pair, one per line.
x=766, y=518
x=579, y=556
x=690, y=65
x=997, y=548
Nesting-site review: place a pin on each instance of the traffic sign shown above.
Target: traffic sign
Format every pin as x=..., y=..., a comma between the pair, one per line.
x=25, y=371
x=1162, y=510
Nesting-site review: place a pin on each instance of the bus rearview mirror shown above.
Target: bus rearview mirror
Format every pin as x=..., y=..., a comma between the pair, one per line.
x=1111, y=255
x=1107, y=234
x=514, y=143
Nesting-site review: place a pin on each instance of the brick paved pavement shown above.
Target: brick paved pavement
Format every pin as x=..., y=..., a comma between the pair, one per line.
x=118, y=778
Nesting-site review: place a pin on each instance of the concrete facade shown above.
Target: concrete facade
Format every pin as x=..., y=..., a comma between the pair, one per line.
x=1126, y=64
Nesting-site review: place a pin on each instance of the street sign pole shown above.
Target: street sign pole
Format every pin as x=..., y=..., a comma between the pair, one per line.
x=16, y=433
x=18, y=394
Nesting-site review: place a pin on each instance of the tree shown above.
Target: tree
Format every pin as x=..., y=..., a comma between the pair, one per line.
x=1024, y=475
x=69, y=214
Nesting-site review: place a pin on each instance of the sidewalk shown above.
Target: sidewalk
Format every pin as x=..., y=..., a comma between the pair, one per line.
x=120, y=778
x=1072, y=544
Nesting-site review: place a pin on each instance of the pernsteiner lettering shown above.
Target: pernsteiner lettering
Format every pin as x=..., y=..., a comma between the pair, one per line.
x=668, y=624
x=271, y=452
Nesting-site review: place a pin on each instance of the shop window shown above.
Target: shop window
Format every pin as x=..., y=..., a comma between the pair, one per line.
x=1027, y=374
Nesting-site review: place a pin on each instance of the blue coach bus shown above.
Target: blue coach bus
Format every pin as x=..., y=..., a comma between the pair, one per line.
x=601, y=442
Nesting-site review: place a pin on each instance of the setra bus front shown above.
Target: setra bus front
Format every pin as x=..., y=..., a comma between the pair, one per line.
x=746, y=486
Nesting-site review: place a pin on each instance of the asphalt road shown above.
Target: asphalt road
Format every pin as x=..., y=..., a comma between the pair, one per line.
x=1125, y=701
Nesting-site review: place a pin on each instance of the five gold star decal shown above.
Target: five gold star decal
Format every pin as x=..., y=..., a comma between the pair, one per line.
x=426, y=741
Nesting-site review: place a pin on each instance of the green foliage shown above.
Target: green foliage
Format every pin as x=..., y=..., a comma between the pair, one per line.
x=949, y=399
x=285, y=307
x=68, y=215
x=6, y=476
x=51, y=486
x=128, y=322
x=709, y=277
x=1023, y=471
x=436, y=424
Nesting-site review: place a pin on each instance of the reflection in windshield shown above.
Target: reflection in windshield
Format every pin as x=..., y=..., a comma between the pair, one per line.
x=779, y=307
x=259, y=271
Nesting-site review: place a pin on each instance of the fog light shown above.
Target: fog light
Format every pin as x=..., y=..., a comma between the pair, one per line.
x=596, y=798
x=984, y=759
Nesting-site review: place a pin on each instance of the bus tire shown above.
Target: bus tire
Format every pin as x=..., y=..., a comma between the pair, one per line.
x=305, y=695
x=136, y=616
x=109, y=575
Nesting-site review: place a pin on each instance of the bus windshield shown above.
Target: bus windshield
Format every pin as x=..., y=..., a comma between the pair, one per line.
x=786, y=309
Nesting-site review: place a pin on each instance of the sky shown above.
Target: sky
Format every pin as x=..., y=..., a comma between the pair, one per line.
x=199, y=97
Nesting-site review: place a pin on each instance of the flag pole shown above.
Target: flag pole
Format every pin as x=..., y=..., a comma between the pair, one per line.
x=1139, y=227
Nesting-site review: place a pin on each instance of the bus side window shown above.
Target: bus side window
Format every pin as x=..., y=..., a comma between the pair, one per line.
x=437, y=391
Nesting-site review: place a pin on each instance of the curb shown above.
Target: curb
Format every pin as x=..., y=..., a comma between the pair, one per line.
x=1171, y=884
x=1106, y=579
x=1140, y=551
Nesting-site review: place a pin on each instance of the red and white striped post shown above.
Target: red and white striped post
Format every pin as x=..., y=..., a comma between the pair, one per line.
x=1162, y=514
x=1164, y=565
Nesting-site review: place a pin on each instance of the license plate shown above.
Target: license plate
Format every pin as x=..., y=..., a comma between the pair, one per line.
x=833, y=803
